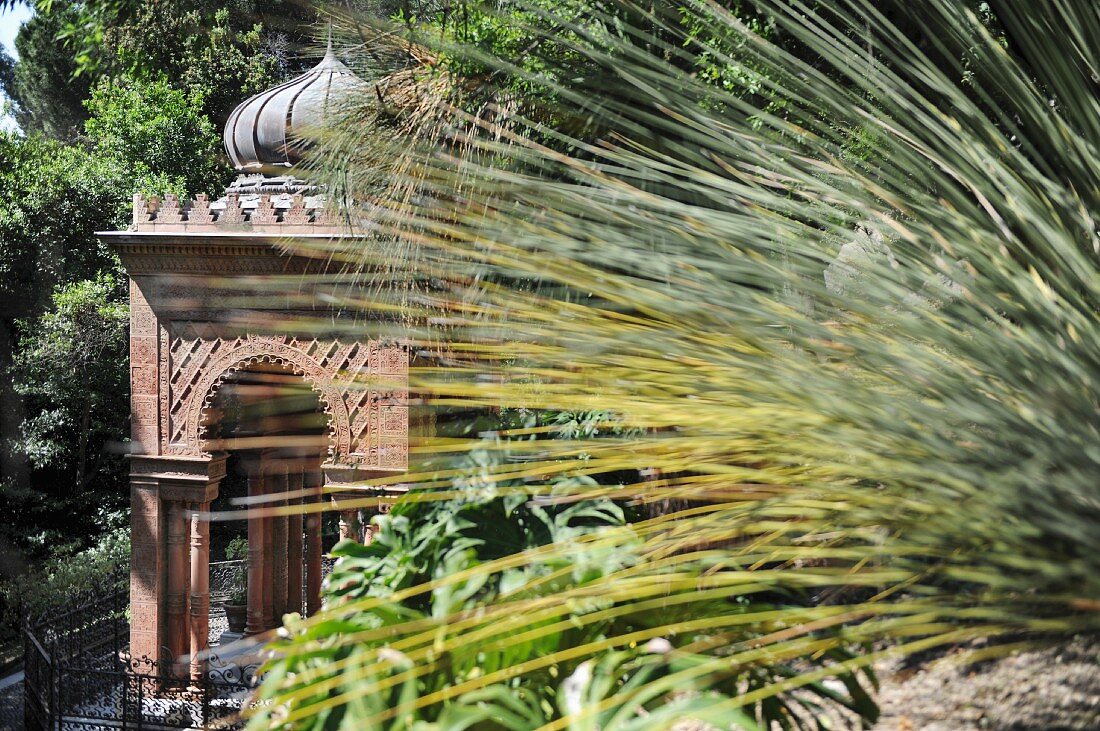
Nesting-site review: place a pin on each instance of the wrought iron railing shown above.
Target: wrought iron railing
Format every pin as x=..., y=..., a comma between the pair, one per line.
x=89, y=630
x=78, y=674
x=225, y=578
x=144, y=695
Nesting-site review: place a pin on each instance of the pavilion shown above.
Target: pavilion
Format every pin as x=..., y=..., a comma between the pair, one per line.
x=226, y=309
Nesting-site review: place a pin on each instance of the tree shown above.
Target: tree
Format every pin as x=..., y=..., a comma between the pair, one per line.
x=200, y=48
x=55, y=198
x=7, y=70
x=158, y=134
x=72, y=365
x=48, y=97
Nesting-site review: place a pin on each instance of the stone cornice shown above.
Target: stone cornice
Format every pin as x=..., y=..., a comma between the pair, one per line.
x=199, y=470
x=178, y=252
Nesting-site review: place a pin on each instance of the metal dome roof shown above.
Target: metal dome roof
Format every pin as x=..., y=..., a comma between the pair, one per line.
x=264, y=131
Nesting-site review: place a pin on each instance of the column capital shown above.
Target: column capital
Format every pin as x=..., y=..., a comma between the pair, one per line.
x=182, y=479
x=352, y=477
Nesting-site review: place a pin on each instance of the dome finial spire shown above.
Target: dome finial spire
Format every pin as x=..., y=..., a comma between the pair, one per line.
x=266, y=131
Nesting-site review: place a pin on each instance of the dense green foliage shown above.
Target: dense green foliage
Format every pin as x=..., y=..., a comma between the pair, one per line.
x=141, y=113
x=62, y=320
x=107, y=36
x=159, y=133
x=66, y=568
x=439, y=560
x=68, y=368
x=200, y=48
x=55, y=198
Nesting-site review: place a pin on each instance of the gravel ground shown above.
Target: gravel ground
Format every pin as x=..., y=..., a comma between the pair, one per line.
x=11, y=708
x=1053, y=689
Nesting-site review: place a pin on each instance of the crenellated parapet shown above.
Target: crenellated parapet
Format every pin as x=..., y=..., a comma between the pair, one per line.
x=279, y=213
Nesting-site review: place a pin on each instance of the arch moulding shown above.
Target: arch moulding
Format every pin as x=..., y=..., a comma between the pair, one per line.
x=362, y=387
x=269, y=350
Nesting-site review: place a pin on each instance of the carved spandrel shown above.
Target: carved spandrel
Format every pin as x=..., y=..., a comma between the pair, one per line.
x=137, y=296
x=332, y=218
x=200, y=360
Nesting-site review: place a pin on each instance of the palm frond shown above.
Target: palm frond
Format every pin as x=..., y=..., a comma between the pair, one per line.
x=849, y=317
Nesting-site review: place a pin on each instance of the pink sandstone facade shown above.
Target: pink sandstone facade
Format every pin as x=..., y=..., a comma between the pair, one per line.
x=208, y=295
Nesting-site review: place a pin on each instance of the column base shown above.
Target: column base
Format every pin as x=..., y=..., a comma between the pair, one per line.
x=230, y=637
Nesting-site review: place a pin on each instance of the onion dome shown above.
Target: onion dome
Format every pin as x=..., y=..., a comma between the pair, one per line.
x=265, y=130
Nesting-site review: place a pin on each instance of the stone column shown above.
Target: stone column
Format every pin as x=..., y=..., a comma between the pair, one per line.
x=148, y=569
x=294, y=541
x=200, y=592
x=256, y=570
x=178, y=574
x=268, y=580
x=148, y=516
x=344, y=484
x=313, y=543
x=163, y=489
x=279, y=547
x=349, y=525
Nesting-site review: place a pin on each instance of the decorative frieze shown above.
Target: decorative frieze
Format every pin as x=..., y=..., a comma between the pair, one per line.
x=220, y=252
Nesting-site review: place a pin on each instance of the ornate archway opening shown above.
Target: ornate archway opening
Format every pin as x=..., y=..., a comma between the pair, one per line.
x=274, y=427
x=266, y=403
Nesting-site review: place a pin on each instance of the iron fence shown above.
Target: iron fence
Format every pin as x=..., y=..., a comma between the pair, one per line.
x=225, y=578
x=79, y=676
x=143, y=695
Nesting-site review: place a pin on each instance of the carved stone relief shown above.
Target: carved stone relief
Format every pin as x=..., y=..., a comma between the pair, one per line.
x=362, y=386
